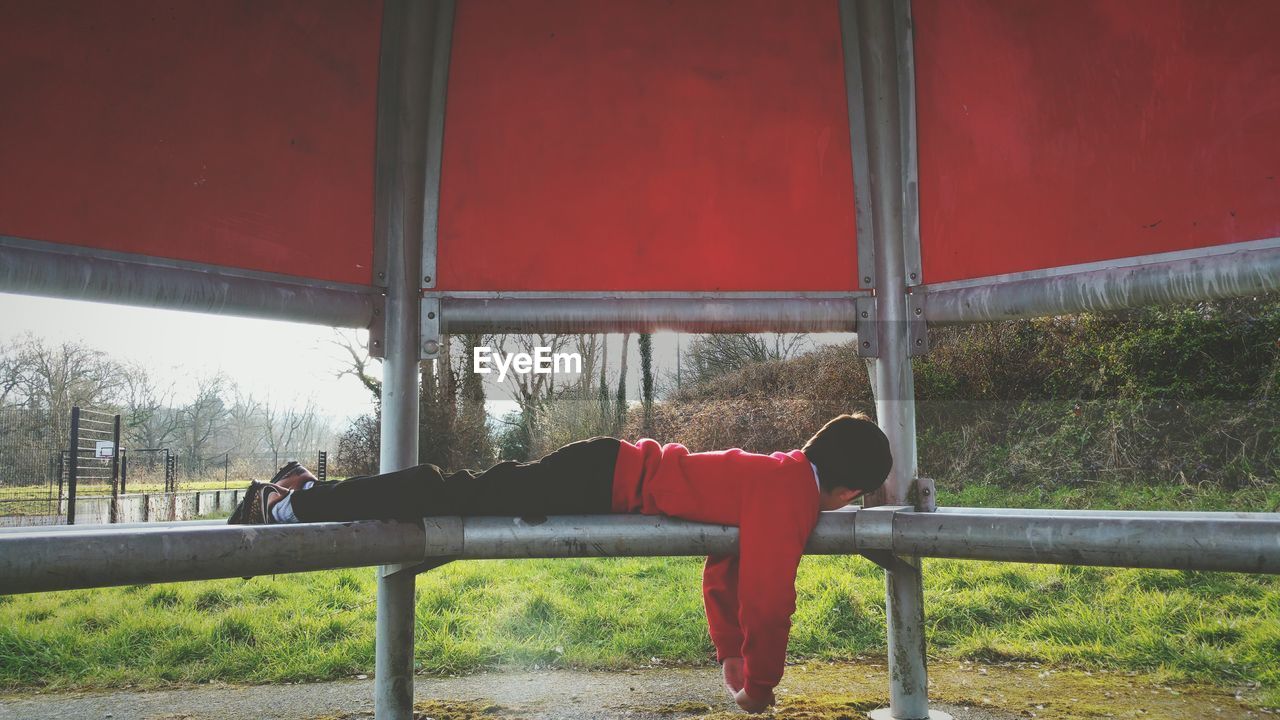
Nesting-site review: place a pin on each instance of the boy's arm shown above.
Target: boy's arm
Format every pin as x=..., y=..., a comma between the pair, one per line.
x=774, y=529
x=720, y=594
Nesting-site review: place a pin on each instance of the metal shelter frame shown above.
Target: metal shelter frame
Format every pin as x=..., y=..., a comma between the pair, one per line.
x=406, y=315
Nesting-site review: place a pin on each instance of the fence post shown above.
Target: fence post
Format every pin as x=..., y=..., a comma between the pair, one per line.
x=114, y=511
x=73, y=461
x=62, y=469
x=226, y=469
x=124, y=470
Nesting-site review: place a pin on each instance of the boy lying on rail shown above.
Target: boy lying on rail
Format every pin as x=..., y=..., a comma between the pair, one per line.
x=773, y=499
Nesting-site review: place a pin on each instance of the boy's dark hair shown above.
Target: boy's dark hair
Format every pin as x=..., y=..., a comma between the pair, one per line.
x=851, y=452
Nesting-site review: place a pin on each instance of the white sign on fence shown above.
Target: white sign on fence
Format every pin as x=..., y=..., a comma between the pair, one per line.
x=104, y=449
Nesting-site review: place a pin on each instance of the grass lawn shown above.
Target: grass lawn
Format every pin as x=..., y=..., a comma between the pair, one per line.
x=40, y=500
x=612, y=613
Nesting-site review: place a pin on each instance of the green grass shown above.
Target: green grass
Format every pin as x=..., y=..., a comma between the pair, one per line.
x=39, y=500
x=613, y=613
x=604, y=613
x=1255, y=497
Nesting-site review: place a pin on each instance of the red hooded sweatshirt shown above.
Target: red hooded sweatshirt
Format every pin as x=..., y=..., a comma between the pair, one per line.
x=772, y=499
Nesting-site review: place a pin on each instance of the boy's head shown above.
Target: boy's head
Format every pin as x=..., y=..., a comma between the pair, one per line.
x=852, y=456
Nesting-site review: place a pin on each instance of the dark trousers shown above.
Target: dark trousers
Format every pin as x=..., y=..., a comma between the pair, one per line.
x=576, y=479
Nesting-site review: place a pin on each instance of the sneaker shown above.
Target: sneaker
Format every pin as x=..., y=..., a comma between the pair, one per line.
x=293, y=476
x=255, y=507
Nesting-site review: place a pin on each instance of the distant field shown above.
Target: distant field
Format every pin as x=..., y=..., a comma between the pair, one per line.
x=616, y=613
x=37, y=500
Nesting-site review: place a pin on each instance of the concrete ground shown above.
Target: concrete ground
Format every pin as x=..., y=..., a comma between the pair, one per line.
x=810, y=692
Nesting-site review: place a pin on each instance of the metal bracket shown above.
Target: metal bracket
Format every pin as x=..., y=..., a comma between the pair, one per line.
x=429, y=327
x=917, y=327
x=924, y=495
x=873, y=535
x=413, y=568
x=443, y=543
x=867, y=328
x=378, y=328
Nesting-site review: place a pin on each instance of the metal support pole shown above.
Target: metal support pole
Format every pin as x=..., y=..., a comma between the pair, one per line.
x=410, y=33
x=878, y=46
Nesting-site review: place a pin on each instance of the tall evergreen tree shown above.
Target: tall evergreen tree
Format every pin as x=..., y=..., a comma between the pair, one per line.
x=606, y=414
x=646, y=380
x=620, y=400
x=474, y=448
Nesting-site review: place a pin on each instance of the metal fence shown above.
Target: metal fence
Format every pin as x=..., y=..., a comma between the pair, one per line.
x=42, y=482
x=226, y=469
x=32, y=468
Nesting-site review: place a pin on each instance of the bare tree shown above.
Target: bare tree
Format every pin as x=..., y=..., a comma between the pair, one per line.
x=712, y=355
x=204, y=418
x=149, y=418
x=588, y=348
x=49, y=380
x=290, y=429
x=247, y=424
x=532, y=390
x=361, y=364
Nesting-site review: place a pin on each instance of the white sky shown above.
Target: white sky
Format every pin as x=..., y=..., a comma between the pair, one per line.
x=286, y=362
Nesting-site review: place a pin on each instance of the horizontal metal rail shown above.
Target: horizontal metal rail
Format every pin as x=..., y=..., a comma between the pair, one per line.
x=1236, y=270
x=37, y=268
x=585, y=312
x=63, y=558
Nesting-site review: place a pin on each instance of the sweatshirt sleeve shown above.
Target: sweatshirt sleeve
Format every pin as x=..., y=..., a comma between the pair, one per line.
x=720, y=593
x=775, y=525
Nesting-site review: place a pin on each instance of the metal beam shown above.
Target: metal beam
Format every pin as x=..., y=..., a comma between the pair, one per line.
x=883, y=43
x=1160, y=542
x=645, y=312
x=442, y=44
x=404, y=108
x=30, y=267
x=1236, y=270
x=96, y=556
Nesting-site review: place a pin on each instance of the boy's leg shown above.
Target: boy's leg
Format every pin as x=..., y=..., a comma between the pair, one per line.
x=405, y=494
x=576, y=479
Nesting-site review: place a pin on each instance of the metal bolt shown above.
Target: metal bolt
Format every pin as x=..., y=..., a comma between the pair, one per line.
x=377, y=343
x=431, y=347
x=866, y=343
x=926, y=492
x=913, y=276
x=864, y=313
x=866, y=280
x=919, y=311
x=919, y=341
x=382, y=276
x=426, y=278
x=431, y=316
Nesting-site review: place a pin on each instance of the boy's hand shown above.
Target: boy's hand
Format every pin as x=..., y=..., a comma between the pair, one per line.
x=734, y=676
x=750, y=704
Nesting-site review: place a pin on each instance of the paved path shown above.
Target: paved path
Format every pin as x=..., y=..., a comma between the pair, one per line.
x=814, y=692
x=634, y=695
